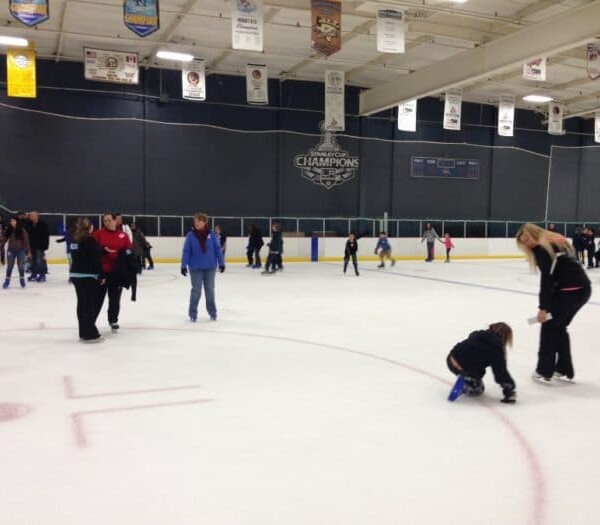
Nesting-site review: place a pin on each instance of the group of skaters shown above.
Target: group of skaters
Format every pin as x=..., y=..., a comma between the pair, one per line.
x=274, y=260
x=584, y=243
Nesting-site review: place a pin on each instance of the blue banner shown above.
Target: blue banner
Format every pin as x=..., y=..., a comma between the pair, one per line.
x=30, y=12
x=141, y=16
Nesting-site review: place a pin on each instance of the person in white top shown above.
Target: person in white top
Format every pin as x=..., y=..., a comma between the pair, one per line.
x=123, y=227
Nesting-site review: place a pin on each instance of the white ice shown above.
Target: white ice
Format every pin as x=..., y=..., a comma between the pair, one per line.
x=315, y=398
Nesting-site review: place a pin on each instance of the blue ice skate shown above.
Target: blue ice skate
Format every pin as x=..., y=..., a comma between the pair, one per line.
x=458, y=389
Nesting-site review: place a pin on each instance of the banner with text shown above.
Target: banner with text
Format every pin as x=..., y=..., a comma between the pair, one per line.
x=193, y=80
x=141, y=16
x=111, y=66
x=407, y=116
x=334, y=101
x=20, y=73
x=390, y=31
x=506, y=116
x=247, y=24
x=326, y=24
x=593, y=61
x=452, y=109
x=535, y=69
x=257, y=88
x=555, y=118
x=30, y=12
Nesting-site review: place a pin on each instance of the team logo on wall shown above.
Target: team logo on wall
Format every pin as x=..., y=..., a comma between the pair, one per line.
x=327, y=164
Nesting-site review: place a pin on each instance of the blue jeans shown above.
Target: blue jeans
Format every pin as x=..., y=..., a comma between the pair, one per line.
x=19, y=255
x=38, y=264
x=201, y=278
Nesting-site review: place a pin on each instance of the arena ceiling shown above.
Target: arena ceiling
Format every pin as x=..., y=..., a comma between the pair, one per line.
x=478, y=45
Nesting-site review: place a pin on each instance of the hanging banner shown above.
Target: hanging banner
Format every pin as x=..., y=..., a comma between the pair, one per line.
x=334, y=101
x=593, y=61
x=193, y=80
x=452, y=109
x=20, y=73
x=111, y=66
x=247, y=25
x=535, y=69
x=257, y=89
x=326, y=17
x=407, y=116
x=390, y=31
x=141, y=16
x=597, y=126
x=30, y=12
x=555, y=118
x=506, y=116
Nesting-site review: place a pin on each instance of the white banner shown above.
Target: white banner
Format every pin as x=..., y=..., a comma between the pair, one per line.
x=506, y=116
x=597, y=126
x=257, y=89
x=593, y=61
x=390, y=31
x=193, y=80
x=407, y=116
x=452, y=109
x=334, y=101
x=535, y=69
x=110, y=66
x=555, y=118
x=247, y=25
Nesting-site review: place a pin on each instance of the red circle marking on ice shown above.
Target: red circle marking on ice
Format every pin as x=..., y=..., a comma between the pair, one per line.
x=10, y=411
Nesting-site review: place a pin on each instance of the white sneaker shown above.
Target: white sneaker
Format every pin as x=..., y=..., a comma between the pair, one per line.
x=540, y=379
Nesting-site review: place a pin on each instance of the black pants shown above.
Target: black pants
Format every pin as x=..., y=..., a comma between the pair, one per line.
x=88, y=306
x=147, y=255
x=113, y=289
x=473, y=378
x=590, y=256
x=354, y=262
x=273, y=260
x=448, y=254
x=3, y=252
x=554, y=353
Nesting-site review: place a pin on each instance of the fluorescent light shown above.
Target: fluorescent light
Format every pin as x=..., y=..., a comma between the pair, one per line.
x=13, y=41
x=540, y=99
x=171, y=55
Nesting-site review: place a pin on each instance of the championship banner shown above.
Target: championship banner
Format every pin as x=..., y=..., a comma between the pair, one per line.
x=597, y=126
x=452, y=109
x=407, y=116
x=555, y=118
x=334, y=101
x=111, y=66
x=141, y=16
x=535, y=69
x=326, y=24
x=593, y=61
x=193, y=80
x=247, y=25
x=30, y=12
x=20, y=73
x=506, y=116
x=257, y=89
x=390, y=31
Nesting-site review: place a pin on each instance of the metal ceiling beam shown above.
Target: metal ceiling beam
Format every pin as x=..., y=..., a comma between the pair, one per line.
x=575, y=27
x=61, y=36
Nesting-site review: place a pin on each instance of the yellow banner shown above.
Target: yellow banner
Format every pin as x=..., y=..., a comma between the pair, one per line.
x=20, y=67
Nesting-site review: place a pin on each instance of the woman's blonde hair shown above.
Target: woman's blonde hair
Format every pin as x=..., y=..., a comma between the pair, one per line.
x=82, y=229
x=504, y=332
x=201, y=217
x=543, y=238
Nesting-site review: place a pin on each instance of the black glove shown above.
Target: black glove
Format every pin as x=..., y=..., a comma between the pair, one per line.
x=510, y=395
x=222, y=268
x=184, y=272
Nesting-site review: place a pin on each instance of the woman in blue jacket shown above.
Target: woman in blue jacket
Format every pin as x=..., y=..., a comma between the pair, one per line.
x=201, y=255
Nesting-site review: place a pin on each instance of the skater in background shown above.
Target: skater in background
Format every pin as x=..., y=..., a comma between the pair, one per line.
x=578, y=244
x=3, y=239
x=350, y=252
x=255, y=244
x=430, y=235
x=564, y=289
x=590, y=246
x=449, y=245
x=39, y=241
x=122, y=226
x=86, y=276
x=384, y=250
x=275, y=245
x=17, y=240
x=67, y=238
x=222, y=238
x=201, y=256
x=138, y=246
x=481, y=349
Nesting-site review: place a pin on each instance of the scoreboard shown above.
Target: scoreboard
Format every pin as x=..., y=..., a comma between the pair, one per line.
x=444, y=167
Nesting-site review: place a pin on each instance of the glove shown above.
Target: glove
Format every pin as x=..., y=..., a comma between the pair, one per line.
x=510, y=395
x=222, y=268
x=184, y=272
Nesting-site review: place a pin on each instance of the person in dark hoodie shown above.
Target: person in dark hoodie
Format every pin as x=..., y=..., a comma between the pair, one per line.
x=564, y=289
x=87, y=278
x=275, y=248
x=350, y=252
x=39, y=240
x=255, y=243
x=481, y=349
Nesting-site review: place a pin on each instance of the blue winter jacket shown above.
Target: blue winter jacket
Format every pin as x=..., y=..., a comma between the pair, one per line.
x=195, y=259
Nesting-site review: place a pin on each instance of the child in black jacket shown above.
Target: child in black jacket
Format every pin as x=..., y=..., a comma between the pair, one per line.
x=274, y=261
x=350, y=251
x=481, y=349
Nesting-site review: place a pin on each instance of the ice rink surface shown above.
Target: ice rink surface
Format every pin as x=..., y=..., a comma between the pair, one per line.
x=315, y=398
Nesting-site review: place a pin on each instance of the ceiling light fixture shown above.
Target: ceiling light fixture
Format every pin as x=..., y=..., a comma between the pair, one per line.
x=13, y=41
x=171, y=55
x=539, y=99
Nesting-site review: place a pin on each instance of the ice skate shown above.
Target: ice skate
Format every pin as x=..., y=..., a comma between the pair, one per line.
x=541, y=379
x=562, y=378
x=114, y=327
x=6, y=284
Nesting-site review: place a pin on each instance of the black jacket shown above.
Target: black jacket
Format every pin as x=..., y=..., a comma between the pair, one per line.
x=39, y=238
x=351, y=248
x=86, y=257
x=126, y=271
x=276, y=244
x=481, y=349
x=563, y=272
x=255, y=240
